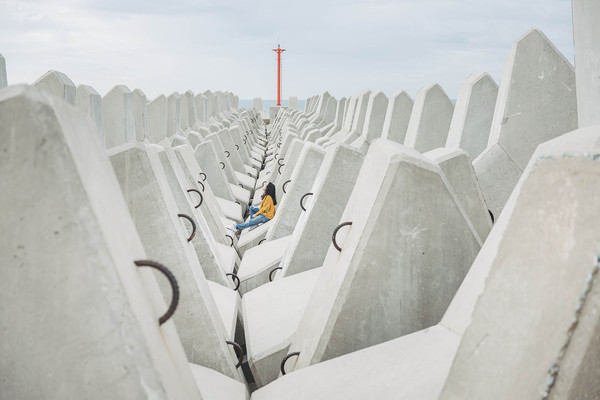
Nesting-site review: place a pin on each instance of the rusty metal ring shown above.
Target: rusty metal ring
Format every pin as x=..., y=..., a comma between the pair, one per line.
x=237, y=147
x=231, y=245
x=235, y=279
x=202, y=174
x=271, y=273
x=285, y=183
x=302, y=200
x=172, y=281
x=201, y=197
x=201, y=184
x=262, y=240
x=237, y=347
x=491, y=216
x=223, y=164
x=279, y=169
x=295, y=353
x=335, y=231
x=193, y=225
x=279, y=161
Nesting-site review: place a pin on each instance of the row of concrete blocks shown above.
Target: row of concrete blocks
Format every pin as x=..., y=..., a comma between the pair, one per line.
x=85, y=318
x=537, y=95
x=315, y=316
x=174, y=214
x=123, y=116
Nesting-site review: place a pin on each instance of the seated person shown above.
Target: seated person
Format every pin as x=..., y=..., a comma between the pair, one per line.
x=265, y=213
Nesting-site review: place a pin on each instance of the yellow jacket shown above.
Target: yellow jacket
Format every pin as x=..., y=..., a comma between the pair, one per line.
x=267, y=208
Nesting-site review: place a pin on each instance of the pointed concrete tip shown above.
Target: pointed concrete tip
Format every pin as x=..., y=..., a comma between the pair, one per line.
x=139, y=92
x=87, y=89
x=55, y=75
x=400, y=93
x=537, y=34
x=175, y=95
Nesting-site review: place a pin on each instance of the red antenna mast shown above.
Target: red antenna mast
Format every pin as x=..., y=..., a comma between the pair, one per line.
x=278, y=50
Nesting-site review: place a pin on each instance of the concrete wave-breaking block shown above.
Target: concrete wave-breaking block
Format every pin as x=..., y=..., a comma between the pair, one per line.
x=157, y=119
x=586, y=31
x=374, y=119
x=271, y=315
x=117, y=111
x=173, y=114
x=402, y=259
x=57, y=84
x=206, y=157
x=331, y=190
x=202, y=241
x=301, y=180
x=140, y=115
x=430, y=119
x=68, y=263
x=458, y=170
x=397, y=117
x=88, y=100
x=411, y=367
x=155, y=215
x=534, y=69
x=533, y=331
x=473, y=112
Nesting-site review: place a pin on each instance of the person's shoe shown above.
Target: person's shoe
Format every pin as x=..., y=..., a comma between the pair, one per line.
x=232, y=227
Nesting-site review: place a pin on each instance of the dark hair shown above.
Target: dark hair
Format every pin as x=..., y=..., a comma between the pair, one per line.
x=270, y=191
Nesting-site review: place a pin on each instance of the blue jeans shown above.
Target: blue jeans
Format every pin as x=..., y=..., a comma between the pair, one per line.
x=253, y=220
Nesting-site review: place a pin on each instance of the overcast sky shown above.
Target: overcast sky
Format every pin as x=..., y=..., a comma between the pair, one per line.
x=342, y=46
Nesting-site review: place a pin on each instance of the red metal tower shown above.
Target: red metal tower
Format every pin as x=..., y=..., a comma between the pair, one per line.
x=278, y=50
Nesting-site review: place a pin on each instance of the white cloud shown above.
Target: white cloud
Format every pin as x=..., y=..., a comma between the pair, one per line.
x=342, y=46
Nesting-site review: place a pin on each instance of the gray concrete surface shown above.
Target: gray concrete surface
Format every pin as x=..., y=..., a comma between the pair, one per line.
x=533, y=330
x=534, y=69
x=88, y=100
x=473, y=112
x=430, y=119
x=57, y=84
x=140, y=115
x=411, y=247
x=332, y=187
x=154, y=212
x=117, y=111
x=79, y=305
x=587, y=60
x=397, y=117
x=157, y=119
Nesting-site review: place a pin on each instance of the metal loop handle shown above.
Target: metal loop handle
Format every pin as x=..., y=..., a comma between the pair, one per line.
x=261, y=241
x=193, y=225
x=172, y=281
x=231, y=245
x=244, y=141
x=335, y=231
x=235, y=279
x=276, y=154
x=202, y=174
x=279, y=161
x=201, y=197
x=295, y=353
x=279, y=169
x=237, y=147
x=271, y=273
x=278, y=145
x=223, y=164
x=302, y=200
x=201, y=184
x=285, y=183
x=237, y=347
x=228, y=153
